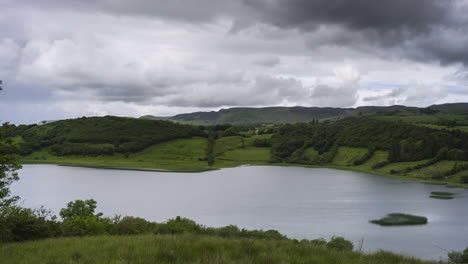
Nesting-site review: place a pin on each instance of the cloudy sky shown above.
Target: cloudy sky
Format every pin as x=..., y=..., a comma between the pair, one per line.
x=63, y=59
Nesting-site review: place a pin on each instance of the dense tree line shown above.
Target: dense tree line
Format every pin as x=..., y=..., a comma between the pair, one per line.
x=405, y=142
x=99, y=135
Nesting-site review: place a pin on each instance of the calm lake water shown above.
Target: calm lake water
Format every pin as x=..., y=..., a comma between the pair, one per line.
x=299, y=202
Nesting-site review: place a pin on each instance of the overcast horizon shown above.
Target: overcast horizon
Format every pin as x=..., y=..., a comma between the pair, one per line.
x=66, y=59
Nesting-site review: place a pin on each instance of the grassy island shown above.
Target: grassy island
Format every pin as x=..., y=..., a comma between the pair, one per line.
x=442, y=195
x=398, y=219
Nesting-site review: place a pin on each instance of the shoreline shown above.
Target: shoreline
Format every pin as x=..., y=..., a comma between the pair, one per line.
x=199, y=170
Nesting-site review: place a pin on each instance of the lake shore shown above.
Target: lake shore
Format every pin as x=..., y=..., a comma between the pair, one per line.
x=183, y=169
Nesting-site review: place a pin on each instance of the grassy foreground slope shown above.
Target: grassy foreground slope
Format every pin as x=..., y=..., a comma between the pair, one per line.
x=185, y=249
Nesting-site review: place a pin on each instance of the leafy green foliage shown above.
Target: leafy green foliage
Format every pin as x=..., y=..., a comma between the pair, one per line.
x=83, y=226
x=340, y=244
x=19, y=224
x=130, y=225
x=405, y=142
x=100, y=135
x=458, y=257
x=262, y=143
x=8, y=166
x=232, y=131
x=79, y=208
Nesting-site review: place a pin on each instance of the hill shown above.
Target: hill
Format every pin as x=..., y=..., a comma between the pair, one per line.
x=93, y=136
x=275, y=115
x=405, y=142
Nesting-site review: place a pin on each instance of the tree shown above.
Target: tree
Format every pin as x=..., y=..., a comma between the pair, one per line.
x=79, y=208
x=9, y=164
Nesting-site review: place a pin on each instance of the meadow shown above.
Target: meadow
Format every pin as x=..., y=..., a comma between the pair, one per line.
x=187, y=248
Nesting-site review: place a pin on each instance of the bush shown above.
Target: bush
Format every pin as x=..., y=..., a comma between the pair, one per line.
x=83, y=226
x=340, y=244
x=232, y=131
x=464, y=179
x=132, y=226
x=178, y=225
x=20, y=224
x=262, y=143
x=80, y=208
x=458, y=257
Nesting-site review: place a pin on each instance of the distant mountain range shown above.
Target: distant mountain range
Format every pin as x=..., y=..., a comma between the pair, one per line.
x=270, y=115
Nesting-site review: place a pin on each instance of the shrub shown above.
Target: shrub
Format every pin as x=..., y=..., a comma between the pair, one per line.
x=178, y=225
x=79, y=208
x=464, y=179
x=132, y=225
x=83, y=226
x=458, y=257
x=340, y=244
x=20, y=224
x=262, y=143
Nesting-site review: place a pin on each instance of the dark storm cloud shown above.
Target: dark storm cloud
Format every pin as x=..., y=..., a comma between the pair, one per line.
x=418, y=29
x=415, y=15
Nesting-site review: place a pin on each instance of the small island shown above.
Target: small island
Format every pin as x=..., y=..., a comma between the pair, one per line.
x=442, y=195
x=399, y=219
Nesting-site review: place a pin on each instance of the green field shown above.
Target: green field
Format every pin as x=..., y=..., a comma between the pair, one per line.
x=378, y=157
x=175, y=155
x=226, y=144
x=185, y=249
x=435, y=170
x=188, y=155
x=399, y=166
x=346, y=155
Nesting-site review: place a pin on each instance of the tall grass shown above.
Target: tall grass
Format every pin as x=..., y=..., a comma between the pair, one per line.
x=186, y=248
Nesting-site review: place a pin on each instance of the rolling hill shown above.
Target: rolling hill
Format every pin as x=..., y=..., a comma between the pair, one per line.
x=274, y=115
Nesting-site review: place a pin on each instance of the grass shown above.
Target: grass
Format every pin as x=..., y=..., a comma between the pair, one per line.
x=188, y=155
x=250, y=140
x=398, y=219
x=185, y=249
x=175, y=155
x=379, y=156
x=311, y=153
x=435, y=170
x=247, y=154
x=400, y=166
x=226, y=144
x=346, y=156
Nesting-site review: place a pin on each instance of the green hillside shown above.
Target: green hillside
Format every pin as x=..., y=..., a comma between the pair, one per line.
x=398, y=144
x=186, y=249
x=275, y=115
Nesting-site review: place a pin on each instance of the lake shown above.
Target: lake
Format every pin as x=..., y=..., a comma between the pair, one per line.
x=299, y=202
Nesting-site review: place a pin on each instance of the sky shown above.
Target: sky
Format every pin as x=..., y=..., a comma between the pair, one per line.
x=64, y=59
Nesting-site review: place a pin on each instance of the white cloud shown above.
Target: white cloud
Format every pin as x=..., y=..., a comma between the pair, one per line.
x=84, y=61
